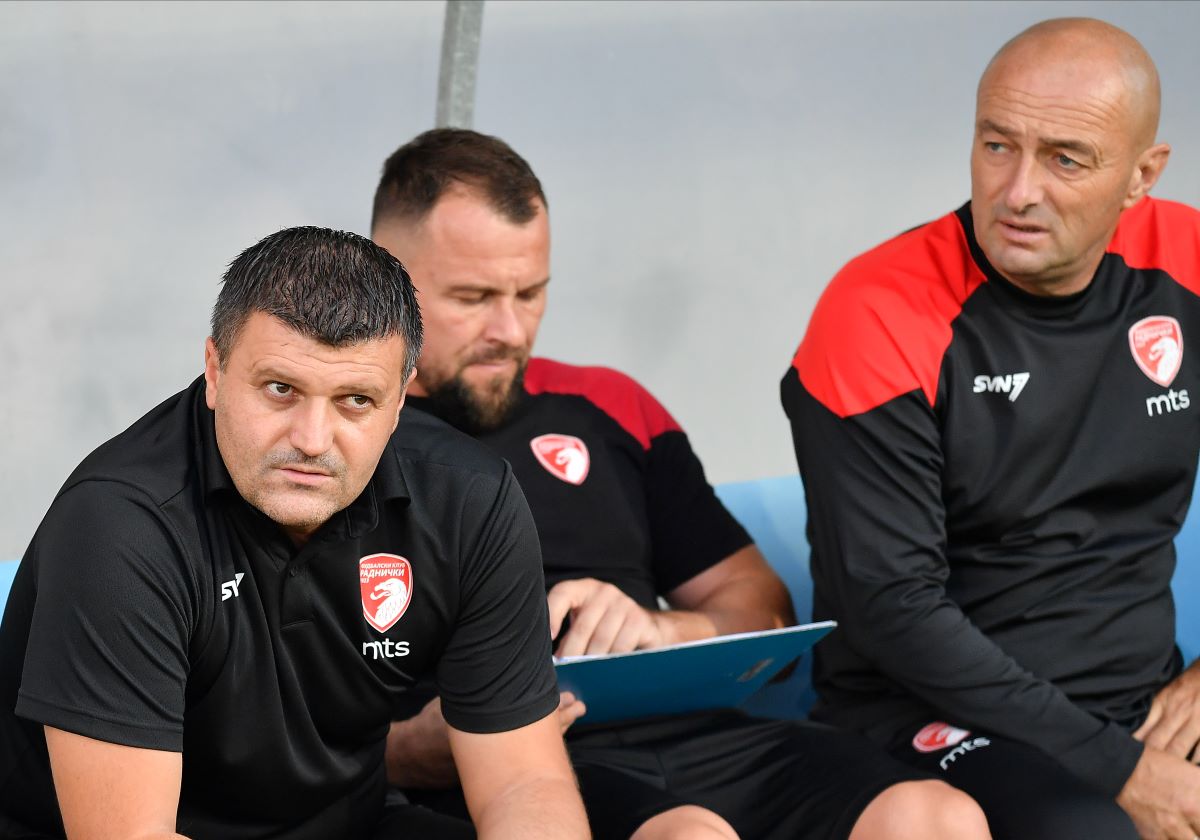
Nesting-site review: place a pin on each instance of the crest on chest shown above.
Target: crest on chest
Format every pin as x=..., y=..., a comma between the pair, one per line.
x=1157, y=346
x=565, y=457
x=385, y=581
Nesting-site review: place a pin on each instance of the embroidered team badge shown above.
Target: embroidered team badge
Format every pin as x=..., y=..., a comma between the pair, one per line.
x=385, y=581
x=563, y=457
x=1157, y=345
x=938, y=736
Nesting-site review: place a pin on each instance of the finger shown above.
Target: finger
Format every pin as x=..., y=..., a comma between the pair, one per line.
x=634, y=633
x=1151, y=721
x=560, y=600
x=568, y=713
x=607, y=630
x=1183, y=742
x=1161, y=734
x=583, y=623
x=1183, y=829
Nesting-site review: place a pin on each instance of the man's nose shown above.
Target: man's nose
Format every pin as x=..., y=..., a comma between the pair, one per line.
x=1025, y=187
x=312, y=427
x=504, y=324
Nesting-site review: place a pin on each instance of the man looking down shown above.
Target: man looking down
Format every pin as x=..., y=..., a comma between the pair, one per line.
x=625, y=515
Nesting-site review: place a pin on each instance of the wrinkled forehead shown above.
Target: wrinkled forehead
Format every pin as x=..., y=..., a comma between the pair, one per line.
x=1105, y=84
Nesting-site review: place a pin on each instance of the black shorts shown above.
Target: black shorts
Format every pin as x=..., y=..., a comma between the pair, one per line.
x=768, y=778
x=1025, y=793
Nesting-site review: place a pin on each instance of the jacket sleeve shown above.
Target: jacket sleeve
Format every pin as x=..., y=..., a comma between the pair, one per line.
x=878, y=531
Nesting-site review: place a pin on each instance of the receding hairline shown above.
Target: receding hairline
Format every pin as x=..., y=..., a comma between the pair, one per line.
x=412, y=223
x=1079, y=38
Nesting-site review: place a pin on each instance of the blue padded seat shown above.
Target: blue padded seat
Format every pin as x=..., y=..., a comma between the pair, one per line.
x=8, y=571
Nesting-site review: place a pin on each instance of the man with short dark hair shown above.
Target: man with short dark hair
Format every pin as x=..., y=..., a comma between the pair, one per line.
x=992, y=420
x=625, y=515
x=214, y=623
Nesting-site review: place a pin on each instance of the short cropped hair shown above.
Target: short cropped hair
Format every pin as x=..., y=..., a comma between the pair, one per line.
x=330, y=285
x=422, y=170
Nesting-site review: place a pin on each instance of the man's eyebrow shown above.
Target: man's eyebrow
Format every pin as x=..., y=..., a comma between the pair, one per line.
x=1078, y=146
x=1069, y=145
x=535, y=286
x=468, y=286
x=988, y=125
x=351, y=386
x=270, y=371
x=484, y=288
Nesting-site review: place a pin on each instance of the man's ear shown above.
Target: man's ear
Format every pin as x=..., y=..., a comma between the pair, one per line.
x=212, y=372
x=1150, y=165
x=403, y=394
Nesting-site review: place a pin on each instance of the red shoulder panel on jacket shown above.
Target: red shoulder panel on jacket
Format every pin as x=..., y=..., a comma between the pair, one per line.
x=617, y=395
x=882, y=326
x=1164, y=235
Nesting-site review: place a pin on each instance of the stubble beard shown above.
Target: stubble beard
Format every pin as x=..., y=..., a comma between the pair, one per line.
x=477, y=411
x=299, y=509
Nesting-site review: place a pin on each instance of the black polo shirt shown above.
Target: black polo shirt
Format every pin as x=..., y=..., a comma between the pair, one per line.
x=156, y=608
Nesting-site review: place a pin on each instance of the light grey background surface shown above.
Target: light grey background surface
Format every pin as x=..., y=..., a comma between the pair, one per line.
x=709, y=166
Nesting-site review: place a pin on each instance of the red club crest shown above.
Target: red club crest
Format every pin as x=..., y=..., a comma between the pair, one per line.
x=938, y=736
x=1157, y=345
x=385, y=581
x=563, y=456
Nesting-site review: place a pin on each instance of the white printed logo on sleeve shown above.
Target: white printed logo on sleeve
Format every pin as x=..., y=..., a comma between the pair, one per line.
x=564, y=457
x=938, y=736
x=385, y=581
x=1157, y=346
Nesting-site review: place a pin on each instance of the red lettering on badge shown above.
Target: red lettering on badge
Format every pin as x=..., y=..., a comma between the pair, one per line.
x=937, y=736
x=563, y=456
x=1157, y=345
x=385, y=581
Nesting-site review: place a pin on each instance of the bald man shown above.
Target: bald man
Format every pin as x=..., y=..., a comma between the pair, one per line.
x=993, y=419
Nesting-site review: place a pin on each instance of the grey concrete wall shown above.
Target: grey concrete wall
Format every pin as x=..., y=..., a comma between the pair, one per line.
x=709, y=166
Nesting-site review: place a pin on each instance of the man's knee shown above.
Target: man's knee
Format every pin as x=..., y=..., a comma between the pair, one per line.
x=921, y=810
x=687, y=822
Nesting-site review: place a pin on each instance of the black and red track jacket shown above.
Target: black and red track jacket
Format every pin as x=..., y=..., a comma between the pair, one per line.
x=994, y=480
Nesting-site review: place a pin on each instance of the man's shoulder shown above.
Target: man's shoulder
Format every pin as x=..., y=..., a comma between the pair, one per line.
x=616, y=394
x=154, y=457
x=423, y=440
x=883, y=323
x=926, y=271
x=1160, y=234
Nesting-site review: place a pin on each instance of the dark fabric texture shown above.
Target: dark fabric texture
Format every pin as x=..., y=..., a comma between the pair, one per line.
x=156, y=608
x=1025, y=794
x=771, y=780
x=992, y=524
x=644, y=518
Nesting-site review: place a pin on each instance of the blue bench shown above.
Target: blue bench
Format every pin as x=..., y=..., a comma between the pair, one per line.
x=773, y=511
x=8, y=571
